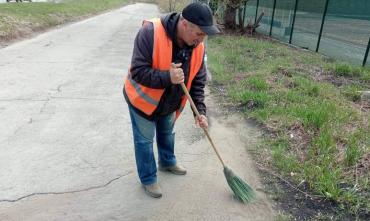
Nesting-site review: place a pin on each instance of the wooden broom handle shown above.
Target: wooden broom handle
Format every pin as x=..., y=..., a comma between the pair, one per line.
x=198, y=115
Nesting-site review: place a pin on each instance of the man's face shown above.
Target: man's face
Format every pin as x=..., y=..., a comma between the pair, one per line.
x=193, y=35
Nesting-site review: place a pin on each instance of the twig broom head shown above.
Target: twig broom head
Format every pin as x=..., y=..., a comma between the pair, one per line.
x=240, y=188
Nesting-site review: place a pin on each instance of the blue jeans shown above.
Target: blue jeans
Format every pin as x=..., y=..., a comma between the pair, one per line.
x=143, y=132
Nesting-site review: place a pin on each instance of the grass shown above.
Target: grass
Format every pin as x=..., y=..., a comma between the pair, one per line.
x=312, y=106
x=167, y=6
x=283, y=217
x=19, y=20
x=347, y=70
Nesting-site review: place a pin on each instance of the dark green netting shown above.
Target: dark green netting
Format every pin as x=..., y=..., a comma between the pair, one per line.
x=345, y=33
x=265, y=6
x=283, y=19
x=346, y=30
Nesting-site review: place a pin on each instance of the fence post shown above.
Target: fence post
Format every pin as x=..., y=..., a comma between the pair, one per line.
x=255, y=18
x=245, y=9
x=366, y=53
x=295, y=13
x=272, y=19
x=322, y=25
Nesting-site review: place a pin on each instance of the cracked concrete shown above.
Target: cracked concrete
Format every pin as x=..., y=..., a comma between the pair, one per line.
x=65, y=192
x=66, y=143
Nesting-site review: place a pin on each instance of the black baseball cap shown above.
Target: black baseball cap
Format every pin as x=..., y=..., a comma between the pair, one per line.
x=201, y=15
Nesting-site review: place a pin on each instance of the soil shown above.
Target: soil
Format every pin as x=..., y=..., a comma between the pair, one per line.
x=301, y=206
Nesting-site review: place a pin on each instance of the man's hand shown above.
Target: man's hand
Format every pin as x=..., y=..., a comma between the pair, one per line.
x=176, y=74
x=201, y=121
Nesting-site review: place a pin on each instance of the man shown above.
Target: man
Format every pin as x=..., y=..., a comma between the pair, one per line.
x=167, y=52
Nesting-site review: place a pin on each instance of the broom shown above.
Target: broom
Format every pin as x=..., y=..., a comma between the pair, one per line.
x=240, y=188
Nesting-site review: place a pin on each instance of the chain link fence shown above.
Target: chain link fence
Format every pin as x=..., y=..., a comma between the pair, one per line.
x=336, y=28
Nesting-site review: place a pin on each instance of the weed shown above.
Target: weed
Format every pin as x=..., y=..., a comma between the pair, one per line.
x=352, y=92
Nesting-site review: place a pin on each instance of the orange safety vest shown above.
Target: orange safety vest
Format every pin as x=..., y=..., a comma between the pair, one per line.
x=147, y=99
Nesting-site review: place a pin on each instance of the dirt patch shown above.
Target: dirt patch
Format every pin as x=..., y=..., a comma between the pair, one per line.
x=319, y=74
x=302, y=206
x=299, y=139
x=363, y=166
x=363, y=105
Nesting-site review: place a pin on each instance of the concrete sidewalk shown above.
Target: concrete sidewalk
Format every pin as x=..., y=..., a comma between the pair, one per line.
x=66, y=143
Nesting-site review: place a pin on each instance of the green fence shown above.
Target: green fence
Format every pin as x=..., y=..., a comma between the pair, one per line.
x=336, y=28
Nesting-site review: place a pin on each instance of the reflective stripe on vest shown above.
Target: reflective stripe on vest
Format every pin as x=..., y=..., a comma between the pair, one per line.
x=142, y=94
x=147, y=99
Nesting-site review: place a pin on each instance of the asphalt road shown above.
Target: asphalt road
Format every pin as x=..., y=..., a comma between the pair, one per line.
x=65, y=135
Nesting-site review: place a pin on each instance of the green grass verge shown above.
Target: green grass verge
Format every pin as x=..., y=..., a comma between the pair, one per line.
x=170, y=5
x=17, y=20
x=311, y=104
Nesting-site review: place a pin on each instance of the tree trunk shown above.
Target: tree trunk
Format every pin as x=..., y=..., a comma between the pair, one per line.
x=231, y=8
x=230, y=13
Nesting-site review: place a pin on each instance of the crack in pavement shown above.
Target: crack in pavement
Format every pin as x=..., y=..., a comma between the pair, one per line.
x=196, y=154
x=46, y=101
x=44, y=106
x=65, y=192
x=23, y=99
x=59, y=97
x=59, y=87
x=30, y=121
x=43, y=62
x=84, y=98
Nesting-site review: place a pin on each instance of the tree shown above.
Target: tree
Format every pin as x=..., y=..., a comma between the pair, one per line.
x=231, y=8
x=172, y=5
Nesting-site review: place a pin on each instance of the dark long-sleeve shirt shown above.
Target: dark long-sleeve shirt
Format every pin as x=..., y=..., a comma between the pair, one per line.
x=143, y=73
